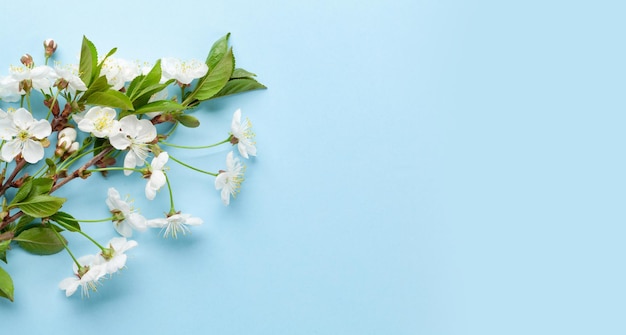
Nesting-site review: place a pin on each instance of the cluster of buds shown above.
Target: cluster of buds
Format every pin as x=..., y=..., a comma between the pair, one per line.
x=66, y=144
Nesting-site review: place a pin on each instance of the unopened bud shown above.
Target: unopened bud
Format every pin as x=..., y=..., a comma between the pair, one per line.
x=69, y=133
x=64, y=144
x=72, y=149
x=50, y=46
x=27, y=60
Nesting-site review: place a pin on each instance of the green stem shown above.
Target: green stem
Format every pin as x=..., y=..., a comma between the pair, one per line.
x=194, y=147
x=66, y=248
x=98, y=220
x=70, y=228
x=169, y=188
x=193, y=168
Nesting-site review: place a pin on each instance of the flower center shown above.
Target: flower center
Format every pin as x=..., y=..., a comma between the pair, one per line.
x=23, y=135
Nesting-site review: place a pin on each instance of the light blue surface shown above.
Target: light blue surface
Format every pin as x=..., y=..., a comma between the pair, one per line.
x=424, y=167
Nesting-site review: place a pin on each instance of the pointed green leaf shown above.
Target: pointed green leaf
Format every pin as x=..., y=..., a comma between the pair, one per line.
x=110, y=98
x=160, y=106
x=238, y=86
x=241, y=73
x=218, y=50
x=216, y=78
x=41, y=241
x=100, y=84
x=141, y=82
x=66, y=220
x=88, y=61
x=6, y=285
x=41, y=205
x=188, y=120
x=40, y=186
x=143, y=95
x=23, y=191
x=4, y=246
x=22, y=224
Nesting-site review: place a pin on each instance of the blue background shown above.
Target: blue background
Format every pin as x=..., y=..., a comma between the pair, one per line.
x=424, y=167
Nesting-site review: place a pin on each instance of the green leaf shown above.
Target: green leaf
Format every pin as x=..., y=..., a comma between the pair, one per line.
x=99, y=85
x=66, y=220
x=238, y=86
x=216, y=78
x=40, y=186
x=88, y=61
x=218, y=50
x=4, y=246
x=41, y=205
x=142, y=96
x=6, y=285
x=110, y=98
x=188, y=120
x=23, y=191
x=160, y=106
x=41, y=241
x=22, y=224
x=241, y=73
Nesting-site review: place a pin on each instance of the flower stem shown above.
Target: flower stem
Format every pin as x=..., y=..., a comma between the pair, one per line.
x=195, y=147
x=169, y=188
x=113, y=169
x=66, y=248
x=72, y=229
x=193, y=168
x=98, y=220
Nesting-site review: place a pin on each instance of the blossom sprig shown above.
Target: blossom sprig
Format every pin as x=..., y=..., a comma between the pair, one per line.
x=66, y=122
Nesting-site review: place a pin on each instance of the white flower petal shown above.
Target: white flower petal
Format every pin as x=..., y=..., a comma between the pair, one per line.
x=32, y=151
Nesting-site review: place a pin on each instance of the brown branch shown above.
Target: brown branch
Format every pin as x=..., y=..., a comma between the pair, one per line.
x=18, y=167
x=78, y=172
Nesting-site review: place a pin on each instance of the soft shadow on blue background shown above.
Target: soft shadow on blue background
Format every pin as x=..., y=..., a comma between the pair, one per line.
x=424, y=167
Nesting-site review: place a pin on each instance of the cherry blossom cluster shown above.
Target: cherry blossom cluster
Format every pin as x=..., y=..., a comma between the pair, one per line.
x=66, y=122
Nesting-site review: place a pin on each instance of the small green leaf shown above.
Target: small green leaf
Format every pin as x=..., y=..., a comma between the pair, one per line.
x=6, y=285
x=241, y=73
x=216, y=78
x=110, y=98
x=160, y=106
x=4, y=246
x=142, y=96
x=41, y=241
x=23, y=191
x=41, y=205
x=218, y=50
x=238, y=86
x=66, y=220
x=188, y=120
x=88, y=61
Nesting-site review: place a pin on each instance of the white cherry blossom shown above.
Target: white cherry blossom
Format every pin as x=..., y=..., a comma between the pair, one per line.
x=183, y=72
x=86, y=277
x=70, y=75
x=174, y=224
x=243, y=135
x=100, y=121
x=134, y=135
x=113, y=258
x=229, y=181
x=119, y=71
x=126, y=217
x=22, y=133
x=157, y=177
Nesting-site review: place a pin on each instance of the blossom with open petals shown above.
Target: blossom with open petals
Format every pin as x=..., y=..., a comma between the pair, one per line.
x=157, y=177
x=174, y=224
x=183, y=72
x=113, y=258
x=9, y=89
x=86, y=277
x=119, y=71
x=126, y=217
x=243, y=135
x=229, y=181
x=100, y=121
x=22, y=133
x=73, y=82
x=134, y=135
x=39, y=77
